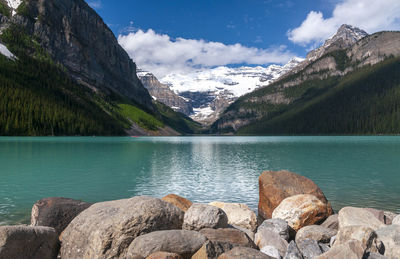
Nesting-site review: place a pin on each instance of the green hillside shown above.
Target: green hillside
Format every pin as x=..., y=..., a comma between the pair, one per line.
x=38, y=98
x=366, y=101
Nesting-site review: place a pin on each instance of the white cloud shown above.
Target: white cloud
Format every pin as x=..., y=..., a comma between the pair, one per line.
x=162, y=55
x=96, y=4
x=369, y=15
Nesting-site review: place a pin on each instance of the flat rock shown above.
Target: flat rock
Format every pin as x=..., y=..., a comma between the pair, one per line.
x=316, y=232
x=351, y=216
x=275, y=186
x=309, y=248
x=164, y=255
x=366, y=236
x=390, y=237
x=293, y=251
x=228, y=235
x=331, y=222
x=182, y=242
x=20, y=242
x=56, y=212
x=180, y=202
x=238, y=214
x=301, y=210
x=266, y=237
x=278, y=226
x=396, y=220
x=350, y=250
x=379, y=214
x=200, y=216
x=248, y=232
x=106, y=229
x=244, y=253
x=271, y=251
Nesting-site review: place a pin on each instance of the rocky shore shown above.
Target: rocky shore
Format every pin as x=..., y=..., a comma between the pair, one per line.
x=294, y=221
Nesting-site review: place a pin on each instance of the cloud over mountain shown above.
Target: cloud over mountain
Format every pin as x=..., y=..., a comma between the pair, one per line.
x=370, y=15
x=162, y=54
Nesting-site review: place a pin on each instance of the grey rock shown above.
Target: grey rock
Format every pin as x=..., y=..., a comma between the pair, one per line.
x=366, y=236
x=350, y=250
x=293, y=251
x=324, y=247
x=56, y=212
x=389, y=216
x=200, y=216
x=232, y=236
x=351, y=216
x=396, y=220
x=106, y=229
x=309, y=248
x=212, y=249
x=333, y=240
x=244, y=253
x=266, y=237
x=379, y=214
x=182, y=242
x=390, y=237
x=315, y=232
x=278, y=226
x=271, y=251
x=374, y=256
x=23, y=242
x=331, y=222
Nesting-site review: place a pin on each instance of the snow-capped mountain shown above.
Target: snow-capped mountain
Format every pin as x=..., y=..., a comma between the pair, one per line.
x=14, y=4
x=210, y=91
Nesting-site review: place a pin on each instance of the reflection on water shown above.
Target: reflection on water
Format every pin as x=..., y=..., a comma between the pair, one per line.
x=360, y=171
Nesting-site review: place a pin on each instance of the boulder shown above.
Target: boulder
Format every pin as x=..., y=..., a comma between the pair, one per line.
x=271, y=251
x=266, y=237
x=390, y=237
x=238, y=214
x=200, y=216
x=274, y=187
x=331, y=222
x=278, y=226
x=389, y=216
x=228, y=235
x=106, y=229
x=379, y=214
x=351, y=216
x=19, y=242
x=350, y=250
x=293, y=251
x=180, y=202
x=56, y=212
x=396, y=220
x=309, y=248
x=164, y=255
x=315, y=232
x=244, y=253
x=301, y=210
x=248, y=232
x=182, y=242
x=211, y=250
x=365, y=235
x=374, y=256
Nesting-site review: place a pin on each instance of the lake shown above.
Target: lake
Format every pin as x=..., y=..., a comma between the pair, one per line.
x=359, y=171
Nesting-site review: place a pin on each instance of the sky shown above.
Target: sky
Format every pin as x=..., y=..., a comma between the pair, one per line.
x=180, y=36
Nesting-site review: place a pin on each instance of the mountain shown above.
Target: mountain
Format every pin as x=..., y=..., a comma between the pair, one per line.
x=63, y=73
x=349, y=85
x=205, y=94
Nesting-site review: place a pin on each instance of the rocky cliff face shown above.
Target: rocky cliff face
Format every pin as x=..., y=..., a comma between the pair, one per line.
x=164, y=94
x=76, y=36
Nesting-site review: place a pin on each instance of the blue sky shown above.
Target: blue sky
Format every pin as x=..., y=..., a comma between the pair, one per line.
x=268, y=31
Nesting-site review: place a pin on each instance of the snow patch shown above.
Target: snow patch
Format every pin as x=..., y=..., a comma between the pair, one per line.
x=6, y=52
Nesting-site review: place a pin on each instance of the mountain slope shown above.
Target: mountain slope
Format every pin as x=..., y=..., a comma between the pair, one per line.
x=281, y=107
x=63, y=73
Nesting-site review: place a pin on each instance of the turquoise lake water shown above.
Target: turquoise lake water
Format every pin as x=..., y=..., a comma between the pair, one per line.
x=360, y=171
